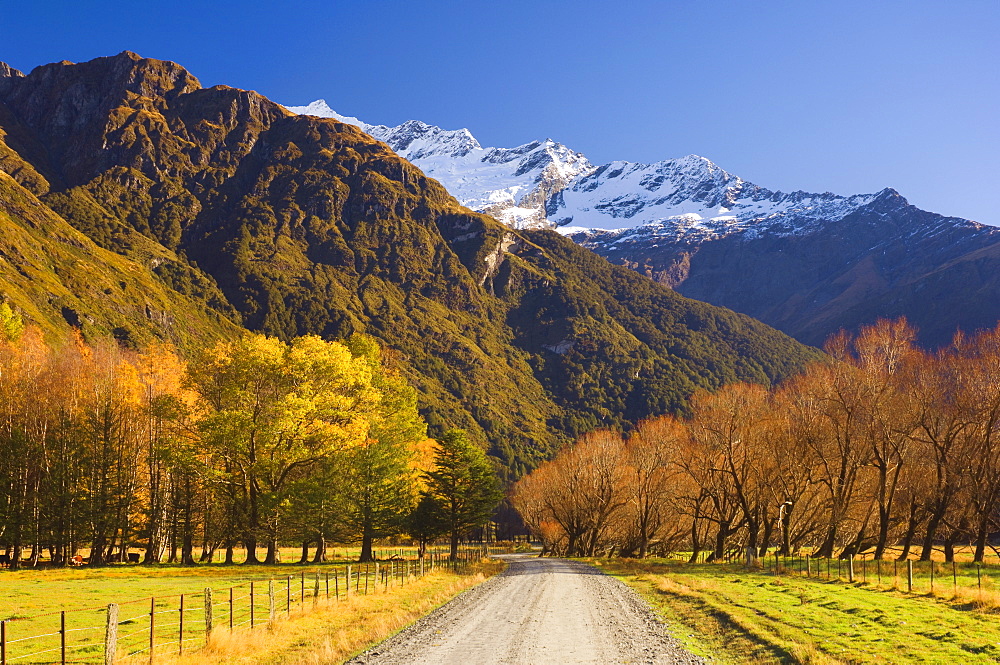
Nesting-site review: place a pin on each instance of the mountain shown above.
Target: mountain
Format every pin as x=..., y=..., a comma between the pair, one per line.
x=813, y=273
x=808, y=264
x=510, y=184
x=237, y=210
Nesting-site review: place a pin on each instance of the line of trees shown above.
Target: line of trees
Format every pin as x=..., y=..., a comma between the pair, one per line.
x=255, y=442
x=883, y=445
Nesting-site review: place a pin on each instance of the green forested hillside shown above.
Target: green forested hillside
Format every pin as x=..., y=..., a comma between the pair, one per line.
x=235, y=209
x=58, y=277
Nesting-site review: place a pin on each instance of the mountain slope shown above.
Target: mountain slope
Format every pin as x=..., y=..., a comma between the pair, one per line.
x=812, y=276
x=60, y=278
x=309, y=225
x=808, y=264
x=510, y=184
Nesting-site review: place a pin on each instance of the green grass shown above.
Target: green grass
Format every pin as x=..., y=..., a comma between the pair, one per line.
x=31, y=600
x=742, y=616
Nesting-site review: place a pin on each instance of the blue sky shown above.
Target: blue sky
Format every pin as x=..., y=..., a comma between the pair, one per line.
x=847, y=97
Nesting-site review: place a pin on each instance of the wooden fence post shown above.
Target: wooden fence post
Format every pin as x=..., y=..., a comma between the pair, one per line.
x=302, y=590
x=316, y=590
x=909, y=576
x=375, y=583
x=251, y=604
x=954, y=577
x=850, y=568
x=110, y=637
x=288, y=595
x=208, y=614
x=932, y=576
x=152, y=627
x=62, y=637
x=270, y=601
x=180, y=627
x=347, y=586
x=3, y=643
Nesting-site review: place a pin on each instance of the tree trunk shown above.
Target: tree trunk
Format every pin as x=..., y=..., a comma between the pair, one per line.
x=695, y=539
x=320, y=549
x=367, y=536
x=766, y=539
x=982, y=533
x=883, y=532
x=304, y=557
x=932, y=527
x=251, y=545
x=273, y=556
x=187, y=549
x=643, y=537
x=720, y=541
x=254, y=527
x=826, y=549
x=911, y=532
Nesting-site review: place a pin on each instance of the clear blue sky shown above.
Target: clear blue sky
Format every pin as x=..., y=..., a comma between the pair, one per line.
x=843, y=96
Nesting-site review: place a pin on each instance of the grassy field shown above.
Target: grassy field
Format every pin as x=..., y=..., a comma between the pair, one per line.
x=31, y=602
x=335, y=631
x=733, y=615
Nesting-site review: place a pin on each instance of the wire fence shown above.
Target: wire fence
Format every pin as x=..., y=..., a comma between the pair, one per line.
x=917, y=577
x=182, y=623
x=977, y=582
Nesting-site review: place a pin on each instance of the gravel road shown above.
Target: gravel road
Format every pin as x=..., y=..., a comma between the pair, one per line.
x=538, y=611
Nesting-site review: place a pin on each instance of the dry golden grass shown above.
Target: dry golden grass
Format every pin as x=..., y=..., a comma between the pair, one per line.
x=333, y=631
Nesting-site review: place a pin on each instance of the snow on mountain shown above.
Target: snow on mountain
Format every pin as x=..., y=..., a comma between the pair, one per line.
x=544, y=183
x=687, y=200
x=511, y=184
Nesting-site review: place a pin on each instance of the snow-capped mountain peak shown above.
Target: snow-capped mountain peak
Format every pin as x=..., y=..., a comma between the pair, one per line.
x=321, y=109
x=544, y=183
x=512, y=184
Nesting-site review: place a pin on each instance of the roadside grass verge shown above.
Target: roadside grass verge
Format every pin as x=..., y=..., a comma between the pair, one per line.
x=735, y=615
x=334, y=631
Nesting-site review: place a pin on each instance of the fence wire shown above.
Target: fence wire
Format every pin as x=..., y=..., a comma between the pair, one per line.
x=289, y=595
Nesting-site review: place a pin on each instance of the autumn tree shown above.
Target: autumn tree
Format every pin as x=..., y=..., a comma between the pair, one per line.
x=984, y=477
x=11, y=323
x=378, y=480
x=275, y=412
x=651, y=478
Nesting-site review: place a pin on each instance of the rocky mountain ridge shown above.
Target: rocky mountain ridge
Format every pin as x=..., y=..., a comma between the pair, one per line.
x=806, y=263
x=513, y=185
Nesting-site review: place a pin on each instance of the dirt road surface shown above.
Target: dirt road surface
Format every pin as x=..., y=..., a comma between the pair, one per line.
x=539, y=611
